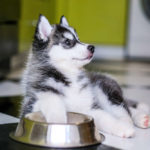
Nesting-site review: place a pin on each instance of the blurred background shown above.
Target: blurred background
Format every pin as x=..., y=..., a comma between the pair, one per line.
x=120, y=30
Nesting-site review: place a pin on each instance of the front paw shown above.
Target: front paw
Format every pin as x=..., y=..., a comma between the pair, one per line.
x=56, y=118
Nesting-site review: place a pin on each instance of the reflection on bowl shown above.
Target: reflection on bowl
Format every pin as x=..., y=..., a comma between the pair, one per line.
x=79, y=131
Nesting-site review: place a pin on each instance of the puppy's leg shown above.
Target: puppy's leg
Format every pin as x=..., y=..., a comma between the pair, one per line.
x=108, y=123
x=122, y=113
x=141, y=115
x=52, y=107
x=116, y=116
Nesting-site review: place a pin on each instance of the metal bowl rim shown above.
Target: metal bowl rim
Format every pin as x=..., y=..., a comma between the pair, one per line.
x=89, y=120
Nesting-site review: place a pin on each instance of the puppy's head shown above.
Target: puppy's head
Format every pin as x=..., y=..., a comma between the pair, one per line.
x=61, y=43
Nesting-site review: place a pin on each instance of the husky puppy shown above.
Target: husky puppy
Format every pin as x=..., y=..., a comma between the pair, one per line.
x=55, y=82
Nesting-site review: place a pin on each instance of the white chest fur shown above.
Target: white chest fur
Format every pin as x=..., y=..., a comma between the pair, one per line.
x=78, y=99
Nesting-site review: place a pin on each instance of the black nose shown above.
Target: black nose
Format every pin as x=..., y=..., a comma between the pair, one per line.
x=91, y=48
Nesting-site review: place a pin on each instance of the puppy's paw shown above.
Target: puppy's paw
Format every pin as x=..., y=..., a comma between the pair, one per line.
x=36, y=116
x=56, y=118
x=142, y=120
x=124, y=131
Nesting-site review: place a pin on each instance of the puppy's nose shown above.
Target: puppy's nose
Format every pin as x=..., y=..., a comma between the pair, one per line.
x=91, y=48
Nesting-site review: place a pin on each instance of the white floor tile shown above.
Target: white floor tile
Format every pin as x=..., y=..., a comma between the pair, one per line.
x=141, y=141
x=9, y=88
x=5, y=119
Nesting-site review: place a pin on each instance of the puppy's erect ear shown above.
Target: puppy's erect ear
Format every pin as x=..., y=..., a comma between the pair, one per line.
x=63, y=21
x=43, y=29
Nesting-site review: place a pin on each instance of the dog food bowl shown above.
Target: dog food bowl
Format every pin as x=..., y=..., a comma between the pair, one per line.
x=79, y=131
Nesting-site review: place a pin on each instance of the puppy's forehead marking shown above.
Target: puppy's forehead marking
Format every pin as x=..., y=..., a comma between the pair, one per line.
x=72, y=31
x=68, y=35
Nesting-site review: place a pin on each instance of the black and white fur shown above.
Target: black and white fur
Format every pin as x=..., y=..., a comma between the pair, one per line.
x=55, y=83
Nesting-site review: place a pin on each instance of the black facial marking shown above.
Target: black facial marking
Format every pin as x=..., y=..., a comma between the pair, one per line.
x=58, y=37
x=67, y=43
x=110, y=88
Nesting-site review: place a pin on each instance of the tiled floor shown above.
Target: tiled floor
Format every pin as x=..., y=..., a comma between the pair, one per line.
x=5, y=119
x=134, y=78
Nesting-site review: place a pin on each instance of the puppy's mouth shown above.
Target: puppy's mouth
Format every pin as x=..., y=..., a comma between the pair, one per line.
x=86, y=58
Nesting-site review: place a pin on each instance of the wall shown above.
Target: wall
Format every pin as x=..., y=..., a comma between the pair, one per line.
x=96, y=21
x=29, y=13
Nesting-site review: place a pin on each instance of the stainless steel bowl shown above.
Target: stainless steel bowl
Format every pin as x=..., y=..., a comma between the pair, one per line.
x=79, y=131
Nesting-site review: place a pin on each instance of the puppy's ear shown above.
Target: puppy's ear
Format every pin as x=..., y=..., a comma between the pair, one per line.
x=63, y=21
x=43, y=29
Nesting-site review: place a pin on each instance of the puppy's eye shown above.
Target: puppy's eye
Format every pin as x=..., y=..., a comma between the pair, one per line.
x=68, y=42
